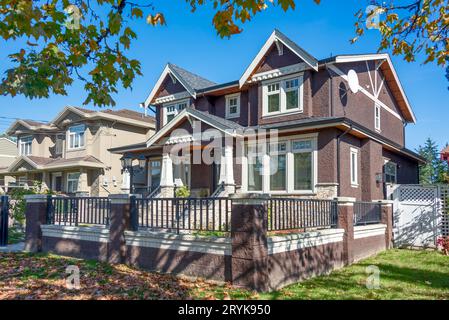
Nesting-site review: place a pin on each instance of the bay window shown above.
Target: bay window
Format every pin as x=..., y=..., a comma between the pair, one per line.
x=290, y=167
x=283, y=96
x=76, y=136
x=25, y=145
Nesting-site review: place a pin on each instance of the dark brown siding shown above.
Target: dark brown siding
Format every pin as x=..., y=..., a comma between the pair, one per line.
x=327, y=160
x=346, y=190
x=407, y=168
x=169, y=88
x=274, y=61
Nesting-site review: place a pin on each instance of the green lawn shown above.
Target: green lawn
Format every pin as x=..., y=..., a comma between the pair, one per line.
x=404, y=274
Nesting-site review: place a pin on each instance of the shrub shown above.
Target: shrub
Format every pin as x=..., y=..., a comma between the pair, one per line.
x=182, y=192
x=443, y=245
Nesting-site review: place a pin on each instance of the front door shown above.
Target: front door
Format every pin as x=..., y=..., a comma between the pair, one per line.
x=57, y=182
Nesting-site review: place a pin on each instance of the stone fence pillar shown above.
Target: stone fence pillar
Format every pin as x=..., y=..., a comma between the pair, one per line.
x=387, y=219
x=249, y=241
x=122, y=217
x=35, y=215
x=345, y=209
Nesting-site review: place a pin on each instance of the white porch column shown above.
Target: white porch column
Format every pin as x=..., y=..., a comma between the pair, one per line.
x=83, y=186
x=45, y=180
x=167, y=184
x=266, y=170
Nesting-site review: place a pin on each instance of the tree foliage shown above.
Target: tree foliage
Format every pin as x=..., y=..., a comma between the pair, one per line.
x=61, y=40
x=435, y=170
x=411, y=27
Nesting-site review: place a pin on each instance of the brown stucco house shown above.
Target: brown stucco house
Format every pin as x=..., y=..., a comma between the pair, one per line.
x=70, y=153
x=331, y=139
x=8, y=153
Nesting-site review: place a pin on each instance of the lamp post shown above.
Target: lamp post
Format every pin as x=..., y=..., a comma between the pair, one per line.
x=128, y=169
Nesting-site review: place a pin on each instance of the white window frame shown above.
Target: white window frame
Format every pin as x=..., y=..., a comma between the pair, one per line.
x=22, y=181
x=265, y=159
x=377, y=110
x=354, y=166
x=72, y=180
x=228, y=98
x=23, y=145
x=387, y=162
x=177, y=109
x=72, y=135
x=282, y=95
x=61, y=145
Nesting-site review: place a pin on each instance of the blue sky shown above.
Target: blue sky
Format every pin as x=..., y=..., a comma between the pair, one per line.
x=190, y=41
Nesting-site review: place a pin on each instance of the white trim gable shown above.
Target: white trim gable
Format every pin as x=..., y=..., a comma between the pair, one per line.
x=173, y=75
x=276, y=38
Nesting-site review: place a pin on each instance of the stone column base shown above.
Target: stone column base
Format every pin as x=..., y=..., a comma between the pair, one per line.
x=167, y=192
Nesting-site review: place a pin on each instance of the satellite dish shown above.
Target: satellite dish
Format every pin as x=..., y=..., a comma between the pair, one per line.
x=353, y=81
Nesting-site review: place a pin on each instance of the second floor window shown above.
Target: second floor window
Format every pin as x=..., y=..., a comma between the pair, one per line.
x=354, y=167
x=59, y=144
x=76, y=136
x=25, y=144
x=233, y=106
x=283, y=96
x=172, y=110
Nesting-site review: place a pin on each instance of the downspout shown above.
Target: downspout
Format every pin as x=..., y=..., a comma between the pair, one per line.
x=338, y=157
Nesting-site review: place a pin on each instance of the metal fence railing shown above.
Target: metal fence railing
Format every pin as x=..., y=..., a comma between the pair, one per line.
x=367, y=213
x=74, y=211
x=177, y=214
x=301, y=214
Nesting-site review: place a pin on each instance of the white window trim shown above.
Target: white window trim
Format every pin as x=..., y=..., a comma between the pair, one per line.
x=313, y=137
x=175, y=112
x=70, y=134
x=282, y=95
x=228, y=98
x=355, y=179
x=377, y=110
x=68, y=179
x=21, y=144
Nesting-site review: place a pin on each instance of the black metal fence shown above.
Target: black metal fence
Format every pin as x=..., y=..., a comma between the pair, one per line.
x=367, y=213
x=4, y=215
x=177, y=214
x=301, y=214
x=74, y=211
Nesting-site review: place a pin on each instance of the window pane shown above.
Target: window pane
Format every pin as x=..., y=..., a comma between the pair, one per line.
x=303, y=171
x=353, y=167
x=170, y=117
x=278, y=173
x=273, y=102
x=255, y=174
x=292, y=99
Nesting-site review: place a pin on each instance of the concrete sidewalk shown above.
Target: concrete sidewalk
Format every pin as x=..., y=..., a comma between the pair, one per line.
x=17, y=247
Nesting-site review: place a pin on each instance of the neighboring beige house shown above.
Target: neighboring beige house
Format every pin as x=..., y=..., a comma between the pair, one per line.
x=70, y=154
x=8, y=153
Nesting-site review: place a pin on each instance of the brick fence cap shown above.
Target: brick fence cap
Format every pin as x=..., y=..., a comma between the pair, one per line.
x=249, y=198
x=345, y=199
x=384, y=201
x=42, y=197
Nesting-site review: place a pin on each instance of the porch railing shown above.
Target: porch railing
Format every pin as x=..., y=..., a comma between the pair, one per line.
x=301, y=214
x=183, y=214
x=367, y=213
x=74, y=211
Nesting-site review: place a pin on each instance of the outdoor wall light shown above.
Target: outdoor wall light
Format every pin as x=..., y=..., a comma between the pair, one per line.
x=127, y=161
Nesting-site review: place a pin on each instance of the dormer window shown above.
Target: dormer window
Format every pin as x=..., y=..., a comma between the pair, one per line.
x=76, y=137
x=283, y=96
x=171, y=110
x=233, y=106
x=25, y=145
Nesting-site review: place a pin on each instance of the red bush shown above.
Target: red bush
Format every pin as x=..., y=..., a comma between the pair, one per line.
x=443, y=245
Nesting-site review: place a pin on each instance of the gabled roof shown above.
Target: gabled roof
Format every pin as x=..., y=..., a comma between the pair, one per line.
x=226, y=126
x=274, y=37
x=390, y=74
x=122, y=115
x=190, y=81
x=42, y=163
x=30, y=125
